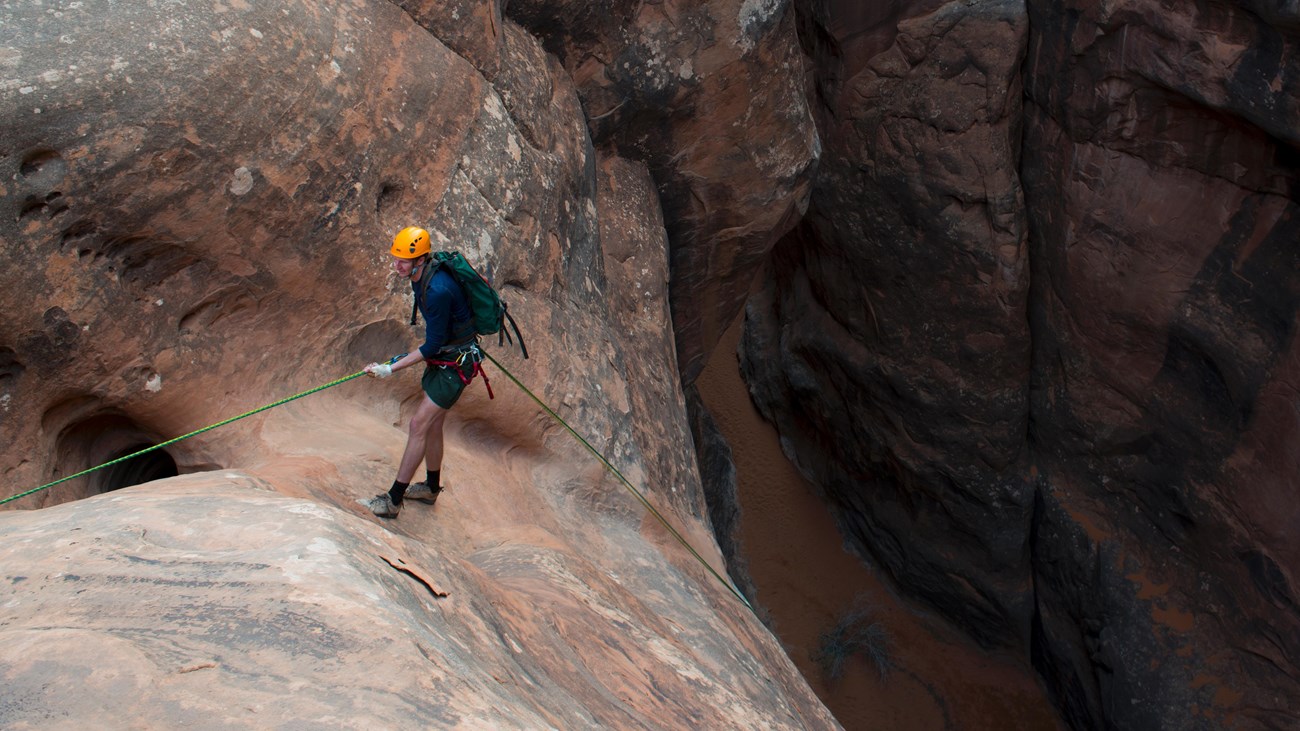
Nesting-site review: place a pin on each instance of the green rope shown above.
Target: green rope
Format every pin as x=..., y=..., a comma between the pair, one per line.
x=731, y=588
x=185, y=436
x=637, y=493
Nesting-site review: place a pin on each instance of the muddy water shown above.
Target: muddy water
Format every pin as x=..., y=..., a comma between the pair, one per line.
x=806, y=581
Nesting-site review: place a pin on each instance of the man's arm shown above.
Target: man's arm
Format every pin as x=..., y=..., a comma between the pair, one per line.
x=437, y=313
x=384, y=370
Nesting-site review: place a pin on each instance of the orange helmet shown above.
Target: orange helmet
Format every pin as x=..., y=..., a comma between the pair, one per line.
x=410, y=243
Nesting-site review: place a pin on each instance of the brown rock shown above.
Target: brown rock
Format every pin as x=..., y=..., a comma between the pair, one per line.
x=1115, y=499
x=473, y=29
x=206, y=600
x=889, y=343
x=193, y=208
x=198, y=228
x=1162, y=179
x=710, y=96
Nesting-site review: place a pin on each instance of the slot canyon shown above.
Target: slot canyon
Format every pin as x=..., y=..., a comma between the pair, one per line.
x=953, y=342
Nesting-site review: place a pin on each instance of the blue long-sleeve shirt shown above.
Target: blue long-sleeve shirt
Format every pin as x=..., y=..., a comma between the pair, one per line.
x=445, y=310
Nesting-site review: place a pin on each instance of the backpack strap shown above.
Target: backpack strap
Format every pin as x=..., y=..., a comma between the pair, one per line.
x=466, y=333
x=426, y=278
x=504, y=335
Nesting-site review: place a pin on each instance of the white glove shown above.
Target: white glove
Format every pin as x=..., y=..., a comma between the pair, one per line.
x=379, y=370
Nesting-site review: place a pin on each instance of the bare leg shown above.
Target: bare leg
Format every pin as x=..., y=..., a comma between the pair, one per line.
x=433, y=442
x=426, y=426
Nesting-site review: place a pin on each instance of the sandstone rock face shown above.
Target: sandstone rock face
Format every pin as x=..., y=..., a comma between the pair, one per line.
x=1163, y=205
x=196, y=203
x=194, y=209
x=711, y=96
x=892, y=328
x=209, y=601
x=1098, y=468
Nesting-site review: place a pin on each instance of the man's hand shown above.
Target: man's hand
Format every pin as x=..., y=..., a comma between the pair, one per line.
x=380, y=370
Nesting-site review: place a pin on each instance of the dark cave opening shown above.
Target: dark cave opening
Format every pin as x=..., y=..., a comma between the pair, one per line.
x=98, y=441
x=147, y=467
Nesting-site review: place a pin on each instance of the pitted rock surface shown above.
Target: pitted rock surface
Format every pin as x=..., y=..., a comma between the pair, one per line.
x=710, y=95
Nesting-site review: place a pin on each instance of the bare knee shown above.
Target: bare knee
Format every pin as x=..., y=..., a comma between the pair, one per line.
x=428, y=416
x=421, y=421
x=438, y=418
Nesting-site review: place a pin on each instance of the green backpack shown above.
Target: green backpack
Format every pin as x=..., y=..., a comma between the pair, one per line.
x=489, y=312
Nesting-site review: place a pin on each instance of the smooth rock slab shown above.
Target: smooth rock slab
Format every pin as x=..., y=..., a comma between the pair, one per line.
x=207, y=601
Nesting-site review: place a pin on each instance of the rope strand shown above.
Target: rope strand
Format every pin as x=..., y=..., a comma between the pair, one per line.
x=664, y=521
x=183, y=436
x=626, y=483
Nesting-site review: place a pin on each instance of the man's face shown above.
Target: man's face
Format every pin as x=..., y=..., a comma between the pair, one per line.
x=403, y=267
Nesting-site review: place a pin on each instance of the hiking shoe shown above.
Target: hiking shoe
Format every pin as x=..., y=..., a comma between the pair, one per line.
x=382, y=505
x=420, y=491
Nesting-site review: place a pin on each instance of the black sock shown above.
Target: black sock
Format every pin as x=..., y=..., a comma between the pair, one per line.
x=432, y=478
x=396, y=492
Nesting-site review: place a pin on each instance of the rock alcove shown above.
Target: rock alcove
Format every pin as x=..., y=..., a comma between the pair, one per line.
x=100, y=439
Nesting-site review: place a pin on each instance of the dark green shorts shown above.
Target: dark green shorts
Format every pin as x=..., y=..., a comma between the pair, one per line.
x=443, y=386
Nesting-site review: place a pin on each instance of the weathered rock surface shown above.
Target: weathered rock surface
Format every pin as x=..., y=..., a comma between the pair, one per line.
x=1100, y=469
x=206, y=600
x=1166, y=214
x=1093, y=466
x=892, y=332
x=195, y=203
x=710, y=95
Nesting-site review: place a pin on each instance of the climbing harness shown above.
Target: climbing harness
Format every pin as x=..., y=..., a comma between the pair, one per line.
x=464, y=353
x=196, y=432
x=626, y=483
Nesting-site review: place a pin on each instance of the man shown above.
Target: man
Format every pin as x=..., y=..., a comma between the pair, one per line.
x=449, y=352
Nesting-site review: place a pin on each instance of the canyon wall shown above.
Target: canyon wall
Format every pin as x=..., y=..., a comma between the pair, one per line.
x=1035, y=337
x=1025, y=314
x=709, y=95
x=1163, y=205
